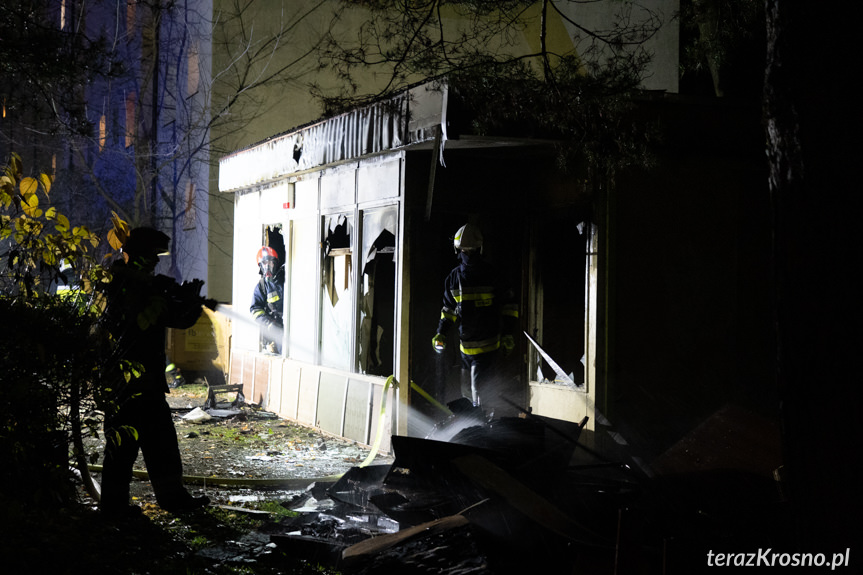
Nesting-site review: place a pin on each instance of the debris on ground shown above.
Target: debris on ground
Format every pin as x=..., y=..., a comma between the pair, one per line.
x=478, y=495
x=521, y=494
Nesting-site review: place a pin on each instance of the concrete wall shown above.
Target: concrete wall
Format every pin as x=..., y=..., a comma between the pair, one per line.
x=344, y=405
x=602, y=17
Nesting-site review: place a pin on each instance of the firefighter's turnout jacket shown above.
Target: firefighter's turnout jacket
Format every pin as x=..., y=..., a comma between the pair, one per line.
x=267, y=304
x=140, y=306
x=478, y=300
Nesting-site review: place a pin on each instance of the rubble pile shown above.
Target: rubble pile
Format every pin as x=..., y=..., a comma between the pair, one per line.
x=472, y=504
x=520, y=494
x=477, y=495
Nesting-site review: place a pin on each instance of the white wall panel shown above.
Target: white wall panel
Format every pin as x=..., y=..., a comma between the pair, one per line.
x=338, y=188
x=247, y=218
x=379, y=180
x=277, y=203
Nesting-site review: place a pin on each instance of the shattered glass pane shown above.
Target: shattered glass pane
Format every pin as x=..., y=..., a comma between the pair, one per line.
x=336, y=296
x=563, y=300
x=377, y=302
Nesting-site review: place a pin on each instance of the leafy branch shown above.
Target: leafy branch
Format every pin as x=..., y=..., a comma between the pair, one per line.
x=35, y=240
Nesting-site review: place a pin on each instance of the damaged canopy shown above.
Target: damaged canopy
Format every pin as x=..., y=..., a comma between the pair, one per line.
x=412, y=117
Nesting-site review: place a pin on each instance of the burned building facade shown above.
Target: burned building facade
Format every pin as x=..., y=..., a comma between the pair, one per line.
x=644, y=305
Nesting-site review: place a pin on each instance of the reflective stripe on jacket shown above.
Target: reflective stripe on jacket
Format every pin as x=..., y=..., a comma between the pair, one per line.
x=267, y=304
x=480, y=303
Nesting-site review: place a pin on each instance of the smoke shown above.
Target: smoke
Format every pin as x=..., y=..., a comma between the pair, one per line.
x=421, y=424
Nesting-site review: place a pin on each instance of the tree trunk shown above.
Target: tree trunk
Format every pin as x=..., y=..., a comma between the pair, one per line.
x=78, y=451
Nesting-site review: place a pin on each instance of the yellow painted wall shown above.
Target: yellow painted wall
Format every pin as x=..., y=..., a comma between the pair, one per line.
x=204, y=346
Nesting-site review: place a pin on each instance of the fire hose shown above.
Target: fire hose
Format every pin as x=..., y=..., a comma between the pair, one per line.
x=390, y=381
x=377, y=443
x=283, y=482
x=425, y=395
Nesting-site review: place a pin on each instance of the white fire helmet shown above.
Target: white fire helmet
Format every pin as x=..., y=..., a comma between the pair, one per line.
x=468, y=237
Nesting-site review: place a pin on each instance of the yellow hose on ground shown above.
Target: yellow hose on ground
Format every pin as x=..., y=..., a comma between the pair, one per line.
x=377, y=443
x=287, y=482
x=284, y=482
x=430, y=399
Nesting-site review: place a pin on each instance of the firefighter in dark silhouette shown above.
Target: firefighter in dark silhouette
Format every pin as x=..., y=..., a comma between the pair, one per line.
x=476, y=298
x=268, y=299
x=140, y=306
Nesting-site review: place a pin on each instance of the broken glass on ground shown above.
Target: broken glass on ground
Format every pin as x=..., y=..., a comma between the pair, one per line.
x=429, y=493
x=527, y=494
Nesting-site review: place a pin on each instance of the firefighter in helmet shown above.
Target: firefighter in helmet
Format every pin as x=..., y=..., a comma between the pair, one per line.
x=140, y=306
x=476, y=299
x=268, y=299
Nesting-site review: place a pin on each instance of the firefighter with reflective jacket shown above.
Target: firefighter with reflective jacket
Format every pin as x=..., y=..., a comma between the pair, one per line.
x=267, y=299
x=140, y=306
x=476, y=298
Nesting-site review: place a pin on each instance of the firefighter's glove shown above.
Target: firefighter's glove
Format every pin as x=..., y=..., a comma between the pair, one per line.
x=211, y=304
x=272, y=324
x=508, y=344
x=439, y=342
x=193, y=286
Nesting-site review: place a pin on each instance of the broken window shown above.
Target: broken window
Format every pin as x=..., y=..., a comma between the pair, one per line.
x=561, y=304
x=377, y=291
x=336, y=292
x=273, y=238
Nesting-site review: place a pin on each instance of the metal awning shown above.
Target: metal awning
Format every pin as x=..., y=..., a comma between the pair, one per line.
x=408, y=119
